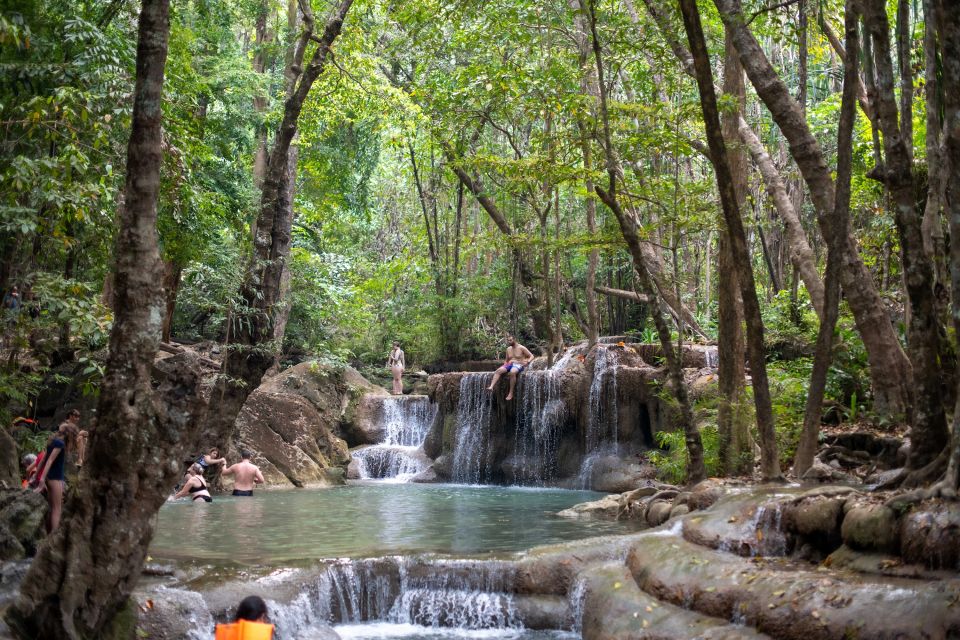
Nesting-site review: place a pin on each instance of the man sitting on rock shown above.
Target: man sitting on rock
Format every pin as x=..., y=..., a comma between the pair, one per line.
x=245, y=475
x=518, y=357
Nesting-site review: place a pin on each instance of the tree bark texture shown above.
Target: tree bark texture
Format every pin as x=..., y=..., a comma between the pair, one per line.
x=253, y=334
x=947, y=16
x=933, y=239
x=735, y=451
x=890, y=369
x=929, y=428
x=807, y=447
x=79, y=584
x=769, y=460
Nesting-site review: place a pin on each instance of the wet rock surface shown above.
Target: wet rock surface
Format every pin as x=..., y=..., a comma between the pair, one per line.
x=22, y=514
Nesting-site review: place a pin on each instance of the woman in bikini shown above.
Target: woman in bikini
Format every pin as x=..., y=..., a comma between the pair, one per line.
x=396, y=363
x=195, y=487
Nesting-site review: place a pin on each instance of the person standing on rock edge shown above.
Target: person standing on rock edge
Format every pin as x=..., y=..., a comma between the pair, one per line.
x=397, y=363
x=245, y=475
x=518, y=357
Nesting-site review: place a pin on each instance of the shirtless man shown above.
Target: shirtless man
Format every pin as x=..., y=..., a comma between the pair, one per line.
x=518, y=357
x=245, y=475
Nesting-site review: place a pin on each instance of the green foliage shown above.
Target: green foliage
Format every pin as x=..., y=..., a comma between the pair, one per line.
x=672, y=458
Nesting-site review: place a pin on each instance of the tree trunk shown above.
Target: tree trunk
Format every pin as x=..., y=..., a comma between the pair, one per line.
x=735, y=452
x=929, y=428
x=696, y=469
x=890, y=369
x=171, y=287
x=821, y=361
x=948, y=26
x=253, y=332
x=79, y=584
x=801, y=254
x=933, y=240
x=769, y=460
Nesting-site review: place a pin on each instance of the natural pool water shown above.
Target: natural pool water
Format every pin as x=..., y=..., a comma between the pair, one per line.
x=277, y=528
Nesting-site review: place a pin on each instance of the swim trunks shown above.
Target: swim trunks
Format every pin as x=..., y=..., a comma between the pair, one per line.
x=238, y=492
x=513, y=366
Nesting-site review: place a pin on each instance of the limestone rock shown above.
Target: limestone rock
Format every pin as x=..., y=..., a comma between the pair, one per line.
x=930, y=535
x=9, y=464
x=704, y=494
x=22, y=514
x=871, y=527
x=658, y=512
x=815, y=516
x=291, y=422
x=679, y=510
x=606, y=508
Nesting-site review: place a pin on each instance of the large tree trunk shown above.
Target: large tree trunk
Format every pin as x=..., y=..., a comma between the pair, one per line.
x=890, y=369
x=948, y=26
x=934, y=243
x=769, y=460
x=735, y=451
x=929, y=428
x=78, y=585
x=254, y=326
x=696, y=469
x=821, y=361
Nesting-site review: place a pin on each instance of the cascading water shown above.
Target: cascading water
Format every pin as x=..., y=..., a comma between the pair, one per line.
x=602, y=423
x=540, y=417
x=407, y=421
x=474, y=412
x=436, y=594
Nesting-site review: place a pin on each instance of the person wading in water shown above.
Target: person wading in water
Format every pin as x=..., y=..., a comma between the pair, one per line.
x=245, y=475
x=518, y=357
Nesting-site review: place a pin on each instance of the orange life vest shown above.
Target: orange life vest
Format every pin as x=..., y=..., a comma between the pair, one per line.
x=244, y=630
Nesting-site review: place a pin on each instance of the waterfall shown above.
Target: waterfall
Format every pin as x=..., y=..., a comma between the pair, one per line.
x=711, y=355
x=602, y=422
x=474, y=412
x=438, y=593
x=540, y=417
x=406, y=422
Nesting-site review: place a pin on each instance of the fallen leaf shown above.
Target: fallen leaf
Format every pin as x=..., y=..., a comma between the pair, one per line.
x=617, y=585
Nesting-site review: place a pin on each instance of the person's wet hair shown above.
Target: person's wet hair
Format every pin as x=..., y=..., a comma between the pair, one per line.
x=245, y=455
x=251, y=608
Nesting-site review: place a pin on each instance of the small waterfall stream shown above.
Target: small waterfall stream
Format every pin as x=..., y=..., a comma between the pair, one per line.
x=602, y=428
x=540, y=417
x=396, y=590
x=407, y=421
x=474, y=413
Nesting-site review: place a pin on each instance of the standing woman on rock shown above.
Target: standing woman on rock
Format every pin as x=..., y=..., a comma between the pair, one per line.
x=396, y=364
x=52, y=476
